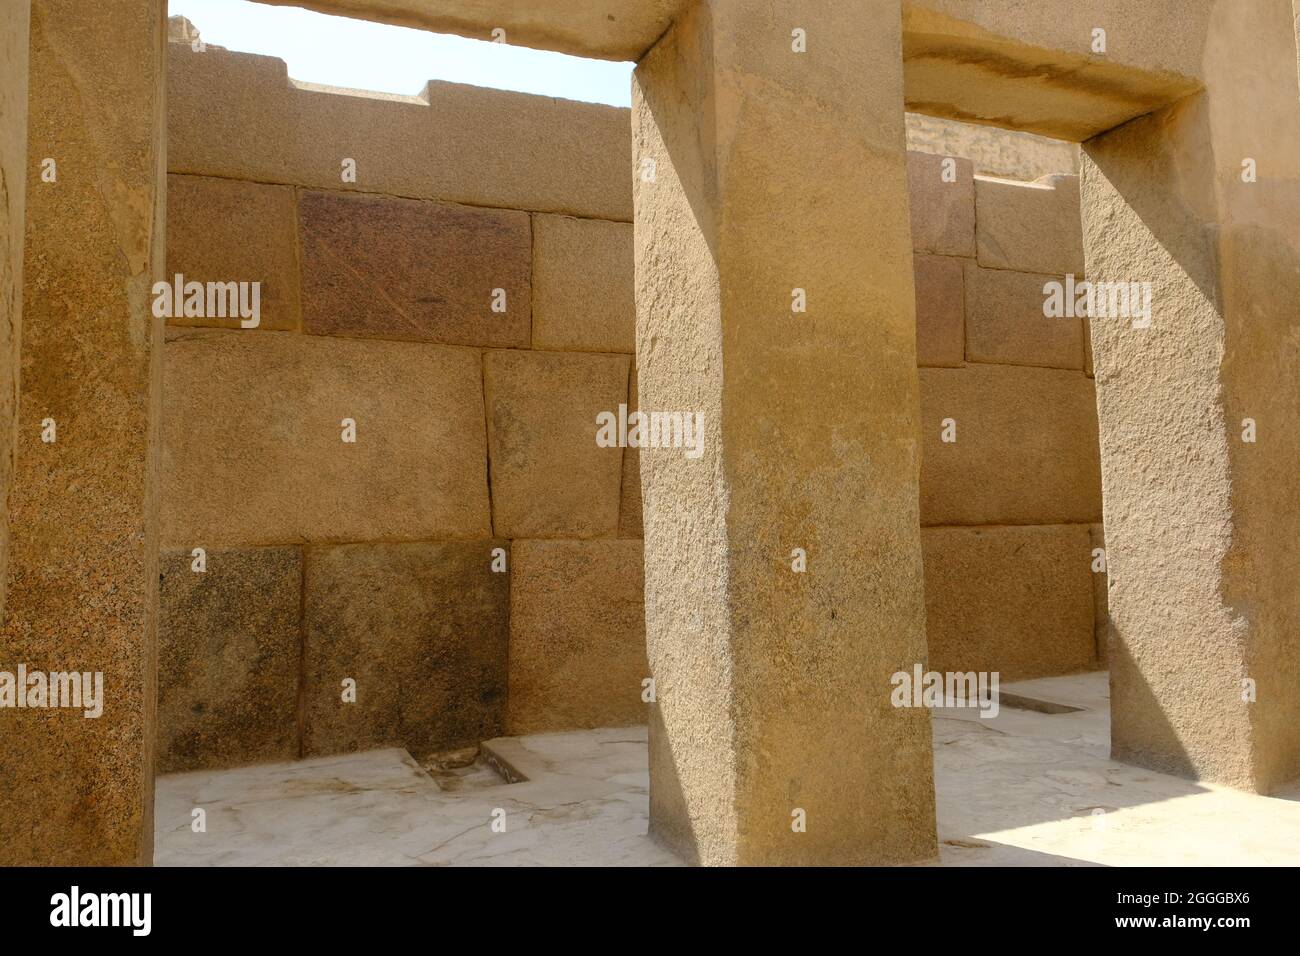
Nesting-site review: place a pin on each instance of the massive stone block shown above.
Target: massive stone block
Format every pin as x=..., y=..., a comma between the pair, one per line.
x=1202, y=531
x=229, y=642
x=549, y=477
x=773, y=686
x=582, y=285
x=1005, y=323
x=577, y=635
x=1032, y=66
x=993, y=151
x=14, y=20
x=999, y=63
x=943, y=212
x=421, y=628
x=1029, y=227
x=239, y=116
x=253, y=440
x=940, y=311
x=83, y=560
x=374, y=266
x=1025, y=449
x=1017, y=600
x=226, y=230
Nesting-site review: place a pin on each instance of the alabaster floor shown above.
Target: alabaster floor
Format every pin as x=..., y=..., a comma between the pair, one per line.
x=1022, y=788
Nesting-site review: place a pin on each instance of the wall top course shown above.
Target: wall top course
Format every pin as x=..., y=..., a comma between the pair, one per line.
x=240, y=116
x=1029, y=227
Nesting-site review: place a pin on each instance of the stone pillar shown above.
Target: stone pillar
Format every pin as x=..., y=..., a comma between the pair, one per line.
x=762, y=175
x=1202, y=200
x=13, y=191
x=83, y=575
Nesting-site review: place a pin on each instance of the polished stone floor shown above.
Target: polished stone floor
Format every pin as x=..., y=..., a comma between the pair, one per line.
x=1023, y=788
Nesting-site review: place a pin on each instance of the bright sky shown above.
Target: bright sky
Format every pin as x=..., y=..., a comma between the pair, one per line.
x=338, y=51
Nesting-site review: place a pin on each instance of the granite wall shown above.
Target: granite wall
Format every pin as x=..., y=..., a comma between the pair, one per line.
x=473, y=560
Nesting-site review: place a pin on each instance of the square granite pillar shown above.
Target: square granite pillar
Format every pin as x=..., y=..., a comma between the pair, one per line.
x=1199, y=413
x=83, y=570
x=770, y=173
x=14, y=19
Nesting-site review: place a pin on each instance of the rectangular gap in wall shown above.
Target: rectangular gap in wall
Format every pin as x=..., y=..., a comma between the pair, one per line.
x=350, y=54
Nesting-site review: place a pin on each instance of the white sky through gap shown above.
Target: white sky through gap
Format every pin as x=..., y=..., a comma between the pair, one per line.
x=339, y=51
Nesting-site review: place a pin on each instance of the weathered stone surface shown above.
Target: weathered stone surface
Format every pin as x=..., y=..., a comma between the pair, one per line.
x=1201, y=527
x=940, y=310
x=630, y=524
x=943, y=213
x=375, y=266
x=993, y=151
x=83, y=519
x=1026, y=448
x=14, y=22
x=577, y=635
x=1005, y=322
x=1087, y=349
x=1100, y=602
x=1016, y=600
x=1031, y=67
x=763, y=675
x=422, y=628
x=181, y=30
x=1177, y=660
x=1029, y=227
x=253, y=450
x=582, y=285
x=229, y=641
x=549, y=477
x=226, y=230
x=453, y=143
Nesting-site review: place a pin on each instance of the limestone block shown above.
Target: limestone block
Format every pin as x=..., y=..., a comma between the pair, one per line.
x=229, y=640
x=940, y=310
x=452, y=142
x=630, y=524
x=1030, y=66
x=421, y=628
x=943, y=213
x=1016, y=600
x=549, y=477
x=993, y=151
x=375, y=266
x=1029, y=227
x=577, y=635
x=227, y=230
x=582, y=285
x=253, y=449
x=1005, y=322
x=1026, y=449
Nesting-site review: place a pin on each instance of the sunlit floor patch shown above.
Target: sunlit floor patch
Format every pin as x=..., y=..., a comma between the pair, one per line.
x=1023, y=788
